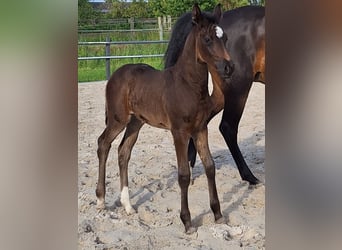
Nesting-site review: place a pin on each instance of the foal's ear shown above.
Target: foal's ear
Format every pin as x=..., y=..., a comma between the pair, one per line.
x=217, y=13
x=196, y=14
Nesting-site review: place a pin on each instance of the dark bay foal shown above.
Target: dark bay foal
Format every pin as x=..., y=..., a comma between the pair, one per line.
x=176, y=99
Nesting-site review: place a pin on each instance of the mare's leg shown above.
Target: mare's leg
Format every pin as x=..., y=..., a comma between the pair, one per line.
x=124, y=151
x=201, y=140
x=217, y=98
x=181, y=141
x=192, y=151
x=111, y=131
x=235, y=100
x=192, y=156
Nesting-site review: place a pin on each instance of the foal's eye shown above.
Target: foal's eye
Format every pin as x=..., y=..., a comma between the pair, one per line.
x=207, y=40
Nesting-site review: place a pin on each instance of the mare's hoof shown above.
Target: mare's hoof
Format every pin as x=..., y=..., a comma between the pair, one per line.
x=255, y=186
x=252, y=180
x=191, y=230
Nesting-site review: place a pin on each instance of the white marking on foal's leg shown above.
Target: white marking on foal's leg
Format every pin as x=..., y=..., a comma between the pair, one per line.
x=125, y=201
x=100, y=203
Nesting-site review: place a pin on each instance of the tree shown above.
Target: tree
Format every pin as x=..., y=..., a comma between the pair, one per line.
x=85, y=12
x=232, y=4
x=122, y=9
x=177, y=8
x=257, y=2
x=138, y=9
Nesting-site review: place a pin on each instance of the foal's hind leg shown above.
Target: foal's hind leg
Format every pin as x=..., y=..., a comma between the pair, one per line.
x=124, y=151
x=104, y=143
x=201, y=140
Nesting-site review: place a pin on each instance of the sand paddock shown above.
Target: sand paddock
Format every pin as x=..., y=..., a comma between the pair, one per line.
x=154, y=190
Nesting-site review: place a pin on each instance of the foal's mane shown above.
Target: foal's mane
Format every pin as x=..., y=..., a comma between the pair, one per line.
x=180, y=32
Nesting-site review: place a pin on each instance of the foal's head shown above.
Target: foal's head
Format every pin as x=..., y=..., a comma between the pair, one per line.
x=210, y=39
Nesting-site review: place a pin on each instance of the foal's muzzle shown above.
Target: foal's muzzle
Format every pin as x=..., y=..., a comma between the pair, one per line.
x=225, y=68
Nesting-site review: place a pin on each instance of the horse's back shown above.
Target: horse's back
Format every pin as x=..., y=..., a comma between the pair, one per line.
x=129, y=75
x=130, y=71
x=245, y=28
x=139, y=89
x=244, y=21
x=248, y=13
x=127, y=79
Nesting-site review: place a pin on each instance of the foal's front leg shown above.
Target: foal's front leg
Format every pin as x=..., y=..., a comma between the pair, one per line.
x=201, y=140
x=181, y=141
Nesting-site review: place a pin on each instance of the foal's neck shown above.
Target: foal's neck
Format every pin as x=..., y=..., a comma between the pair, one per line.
x=193, y=71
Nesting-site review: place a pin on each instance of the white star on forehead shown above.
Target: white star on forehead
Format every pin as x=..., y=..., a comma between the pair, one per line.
x=219, y=31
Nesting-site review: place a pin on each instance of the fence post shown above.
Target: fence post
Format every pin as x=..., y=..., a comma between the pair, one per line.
x=164, y=22
x=107, y=59
x=131, y=22
x=160, y=25
x=169, y=22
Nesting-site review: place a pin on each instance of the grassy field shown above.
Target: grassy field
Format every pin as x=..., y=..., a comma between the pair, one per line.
x=94, y=70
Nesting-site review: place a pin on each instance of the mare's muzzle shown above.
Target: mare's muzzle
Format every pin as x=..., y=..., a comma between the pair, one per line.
x=225, y=68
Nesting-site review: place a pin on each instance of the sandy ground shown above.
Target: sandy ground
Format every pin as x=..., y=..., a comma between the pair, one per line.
x=154, y=190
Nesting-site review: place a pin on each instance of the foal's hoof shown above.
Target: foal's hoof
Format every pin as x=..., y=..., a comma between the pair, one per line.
x=130, y=210
x=221, y=220
x=191, y=230
x=100, y=205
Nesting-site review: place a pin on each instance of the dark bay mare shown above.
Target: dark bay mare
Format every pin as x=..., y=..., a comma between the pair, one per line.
x=177, y=99
x=245, y=30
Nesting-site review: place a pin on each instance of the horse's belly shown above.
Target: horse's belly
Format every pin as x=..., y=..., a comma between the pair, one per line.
x=150, y=111
x=153, y=119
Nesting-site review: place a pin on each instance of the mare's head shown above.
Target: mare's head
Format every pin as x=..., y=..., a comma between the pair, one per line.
x=210, y=40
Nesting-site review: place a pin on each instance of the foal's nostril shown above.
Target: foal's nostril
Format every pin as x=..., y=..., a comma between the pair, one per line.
x=225, y=68
x=232, y=67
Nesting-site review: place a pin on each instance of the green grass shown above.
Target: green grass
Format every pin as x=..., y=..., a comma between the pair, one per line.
x=94, y=70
